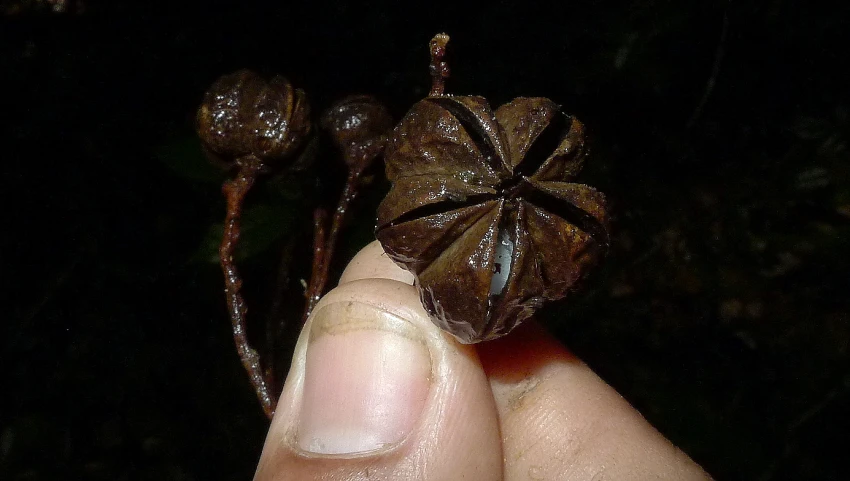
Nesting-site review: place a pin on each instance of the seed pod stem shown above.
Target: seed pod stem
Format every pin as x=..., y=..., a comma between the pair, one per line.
x=358, y=126
x=324, y=244
x=439, y=69
x=317, y=278
x=235, y=191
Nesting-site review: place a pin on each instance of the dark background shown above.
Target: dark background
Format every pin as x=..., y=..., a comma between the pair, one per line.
x=719, y=132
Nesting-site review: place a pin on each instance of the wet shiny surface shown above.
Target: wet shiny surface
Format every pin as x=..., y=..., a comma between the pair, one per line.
x=245, y=114
x=463, y=213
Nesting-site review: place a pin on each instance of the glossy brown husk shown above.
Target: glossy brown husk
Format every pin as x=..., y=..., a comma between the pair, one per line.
x=467, y=180
x=358, y=125
x=244, y=114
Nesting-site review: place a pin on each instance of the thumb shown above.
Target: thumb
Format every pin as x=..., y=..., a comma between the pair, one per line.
x=377, y=391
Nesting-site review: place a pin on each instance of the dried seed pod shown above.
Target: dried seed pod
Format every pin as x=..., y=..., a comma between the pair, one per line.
x=483, y=211
x=244, y=114
x=358, y=126
x=252, y=125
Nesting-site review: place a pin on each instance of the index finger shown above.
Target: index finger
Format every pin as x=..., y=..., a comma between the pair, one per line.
x=559, y=420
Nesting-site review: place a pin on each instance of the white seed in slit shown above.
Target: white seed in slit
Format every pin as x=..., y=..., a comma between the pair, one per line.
x=502, y=263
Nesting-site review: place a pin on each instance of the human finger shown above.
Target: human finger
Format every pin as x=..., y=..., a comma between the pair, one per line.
x=560, y=421
x=377, y=392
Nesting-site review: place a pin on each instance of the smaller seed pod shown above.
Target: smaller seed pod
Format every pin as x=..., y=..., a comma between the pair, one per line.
x=359, y=126
x=244, y=114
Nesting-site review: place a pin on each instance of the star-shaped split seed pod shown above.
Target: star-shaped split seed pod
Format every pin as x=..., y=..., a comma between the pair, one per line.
x=484, y=213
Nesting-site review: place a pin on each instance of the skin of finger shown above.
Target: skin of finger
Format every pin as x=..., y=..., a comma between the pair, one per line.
x=373, y=263
x=560, y=421
x=457, y=436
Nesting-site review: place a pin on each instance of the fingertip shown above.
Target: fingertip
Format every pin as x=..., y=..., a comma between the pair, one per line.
x=373, y=263
x=528, y=349
x=370, y=334
x=560, y=420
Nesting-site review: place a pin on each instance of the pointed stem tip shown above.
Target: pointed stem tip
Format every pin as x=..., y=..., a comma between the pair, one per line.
x=439, y=68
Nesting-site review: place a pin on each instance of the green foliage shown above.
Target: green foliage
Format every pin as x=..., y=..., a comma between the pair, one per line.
x=184, y=157
x=262, y=226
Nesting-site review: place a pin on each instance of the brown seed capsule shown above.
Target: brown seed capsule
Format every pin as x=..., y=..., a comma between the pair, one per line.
x=244, y=114
x=358, y=126
x=483, y=211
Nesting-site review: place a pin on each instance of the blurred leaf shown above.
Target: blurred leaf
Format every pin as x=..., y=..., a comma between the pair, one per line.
x=809, y=128
x=262, y=225
x=186, y=159
x=208, y=249
x=291, y=186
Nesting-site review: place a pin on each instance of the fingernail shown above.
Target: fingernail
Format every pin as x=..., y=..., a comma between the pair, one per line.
x=367, y=376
